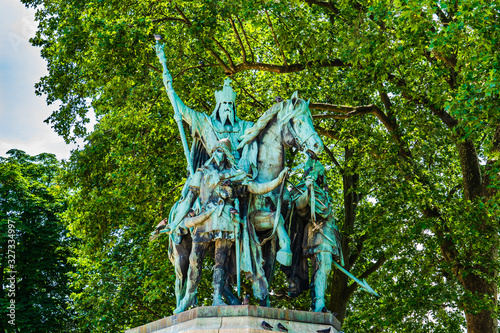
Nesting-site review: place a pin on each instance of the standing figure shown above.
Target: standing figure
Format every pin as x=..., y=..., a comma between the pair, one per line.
x=216, y=184
x=321, y=240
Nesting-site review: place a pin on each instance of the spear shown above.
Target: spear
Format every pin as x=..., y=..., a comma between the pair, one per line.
x=177, y=116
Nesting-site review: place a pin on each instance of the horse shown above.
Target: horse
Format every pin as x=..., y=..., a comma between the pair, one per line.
x=286, y=124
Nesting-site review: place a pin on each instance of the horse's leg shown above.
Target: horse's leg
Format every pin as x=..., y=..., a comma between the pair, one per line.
x=284, y=255
x=269, y=267
x=194, y=275
x=227, y=292
x=264, y=220
x=181, y=266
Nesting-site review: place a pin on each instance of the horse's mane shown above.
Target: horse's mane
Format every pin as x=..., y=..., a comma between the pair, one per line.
x=252, y=132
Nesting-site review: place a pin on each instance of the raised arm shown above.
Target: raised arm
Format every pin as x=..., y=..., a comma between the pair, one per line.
x=188, y=114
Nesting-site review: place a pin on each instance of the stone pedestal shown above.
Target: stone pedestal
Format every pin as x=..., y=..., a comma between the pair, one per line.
x=241, y=318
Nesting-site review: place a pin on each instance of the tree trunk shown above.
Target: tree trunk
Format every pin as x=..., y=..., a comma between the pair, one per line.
x=483, y=321
x=339, y=295
x=339, y=290
x=479, y=285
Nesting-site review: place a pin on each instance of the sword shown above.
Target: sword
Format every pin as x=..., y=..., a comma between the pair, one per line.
x=236, y=218
x=363, y=284
x=177, y=116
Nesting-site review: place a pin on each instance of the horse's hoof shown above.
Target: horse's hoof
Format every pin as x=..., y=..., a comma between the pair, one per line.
x=218, y=302
x=264, y=302
x=178, y=310
x=319, y=305
x=184, y=304
x=284, y=257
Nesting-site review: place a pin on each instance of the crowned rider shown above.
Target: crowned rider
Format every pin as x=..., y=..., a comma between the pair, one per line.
x=222, y=124
x=206, y=132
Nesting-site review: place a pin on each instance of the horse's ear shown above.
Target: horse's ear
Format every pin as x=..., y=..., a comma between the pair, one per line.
x=295, y=97
x=308, y=101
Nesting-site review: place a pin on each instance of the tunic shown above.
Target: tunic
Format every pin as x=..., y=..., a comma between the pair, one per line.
x=219, y=198
x=326, y=238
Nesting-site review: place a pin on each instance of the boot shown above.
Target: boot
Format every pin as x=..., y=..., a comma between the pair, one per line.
x=265, y=302
x=219, y=280
x=229, y=296
x=260, y=288
x=319, y=291
x=319, y=305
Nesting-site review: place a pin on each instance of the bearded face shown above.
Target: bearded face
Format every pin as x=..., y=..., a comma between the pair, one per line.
x=218, y=157
x=226, y=113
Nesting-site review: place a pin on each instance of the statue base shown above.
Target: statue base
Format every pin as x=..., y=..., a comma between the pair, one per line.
x=242, y=318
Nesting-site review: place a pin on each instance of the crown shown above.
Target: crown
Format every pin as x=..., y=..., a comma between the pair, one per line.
x=227, y=94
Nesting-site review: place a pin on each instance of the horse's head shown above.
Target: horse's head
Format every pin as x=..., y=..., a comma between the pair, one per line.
x=297, y=126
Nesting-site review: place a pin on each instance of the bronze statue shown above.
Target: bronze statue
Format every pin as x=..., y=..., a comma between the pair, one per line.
x=231, y=197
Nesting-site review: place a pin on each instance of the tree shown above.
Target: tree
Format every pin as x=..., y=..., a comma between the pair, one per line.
x=405, y=94
x=35, y=246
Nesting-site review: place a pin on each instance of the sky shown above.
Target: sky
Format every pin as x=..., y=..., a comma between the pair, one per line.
x=22, y=112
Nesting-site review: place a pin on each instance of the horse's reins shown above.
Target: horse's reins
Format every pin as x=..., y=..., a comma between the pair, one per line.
x=278, y=211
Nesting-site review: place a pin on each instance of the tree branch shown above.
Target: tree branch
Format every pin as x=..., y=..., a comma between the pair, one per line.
x=444, y=235
x=331, y=107
x=387, y=102
x=143, y=307
x=243, y=52
x=491, y=164
x=154, y=101
x=359, y=247
x=231, y=63
x=288, y=68
x=328, y=133
x=154, y=68
x=227, y=70
x=334, y=160
x=442, y=16
x=270, y=24
x=168, y=19
x=186, y=20
x=373, y=268
x=194, y=67
x=263, y=107
x=447, y=119
x=325, y=4
x=246, y=38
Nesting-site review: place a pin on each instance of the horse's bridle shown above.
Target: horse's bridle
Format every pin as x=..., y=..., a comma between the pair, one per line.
x=298, y=141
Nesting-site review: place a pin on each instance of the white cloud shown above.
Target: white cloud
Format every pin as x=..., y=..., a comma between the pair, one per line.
x=22, y=112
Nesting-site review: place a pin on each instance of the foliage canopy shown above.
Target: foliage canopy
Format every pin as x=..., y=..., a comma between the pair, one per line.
x=404, y=93
x=34, y=245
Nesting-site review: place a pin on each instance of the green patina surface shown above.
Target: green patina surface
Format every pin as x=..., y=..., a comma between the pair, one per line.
x=232, y=198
